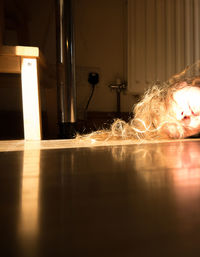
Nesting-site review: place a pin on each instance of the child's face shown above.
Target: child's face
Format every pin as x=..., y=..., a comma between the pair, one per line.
x=186, y=108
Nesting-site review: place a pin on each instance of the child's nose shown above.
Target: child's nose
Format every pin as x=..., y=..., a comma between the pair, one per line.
x=186, y=113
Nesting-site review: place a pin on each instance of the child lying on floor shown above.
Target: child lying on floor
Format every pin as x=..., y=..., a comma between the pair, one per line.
x=166, y=111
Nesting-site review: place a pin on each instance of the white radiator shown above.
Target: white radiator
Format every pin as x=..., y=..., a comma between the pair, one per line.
x=163, y=38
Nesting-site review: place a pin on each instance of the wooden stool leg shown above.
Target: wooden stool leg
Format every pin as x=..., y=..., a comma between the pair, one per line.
x=31, y=99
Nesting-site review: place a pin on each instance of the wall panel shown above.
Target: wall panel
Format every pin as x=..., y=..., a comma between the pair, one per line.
x=163, y=38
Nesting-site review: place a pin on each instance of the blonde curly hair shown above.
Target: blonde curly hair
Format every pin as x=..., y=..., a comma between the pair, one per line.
x=152, y=117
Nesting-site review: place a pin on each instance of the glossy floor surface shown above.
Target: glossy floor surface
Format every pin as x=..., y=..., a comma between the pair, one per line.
x=101, y=201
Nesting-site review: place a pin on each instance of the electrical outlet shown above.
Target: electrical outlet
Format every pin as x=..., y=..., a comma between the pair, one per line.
x=82, y=73
x=93, y=78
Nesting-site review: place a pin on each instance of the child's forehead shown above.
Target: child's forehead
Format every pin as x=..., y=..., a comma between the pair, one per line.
x=187, y=94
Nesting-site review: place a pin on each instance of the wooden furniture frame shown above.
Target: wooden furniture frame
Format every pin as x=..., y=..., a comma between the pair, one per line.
x=25, y=61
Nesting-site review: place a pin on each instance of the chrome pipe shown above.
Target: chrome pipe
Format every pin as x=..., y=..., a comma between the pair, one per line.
x=66, y=80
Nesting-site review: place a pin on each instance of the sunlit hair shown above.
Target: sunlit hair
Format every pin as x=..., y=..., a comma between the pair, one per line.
x=151, y=118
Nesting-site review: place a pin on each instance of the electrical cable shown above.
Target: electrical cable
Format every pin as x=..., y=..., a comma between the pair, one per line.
x=90, y=98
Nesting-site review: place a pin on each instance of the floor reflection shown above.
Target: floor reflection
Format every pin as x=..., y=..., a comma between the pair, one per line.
x=187, y=190
x=170, y=173
x=135, y=199
x=28, y=224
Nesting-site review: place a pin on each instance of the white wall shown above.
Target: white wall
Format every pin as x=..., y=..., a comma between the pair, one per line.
x=101, y=46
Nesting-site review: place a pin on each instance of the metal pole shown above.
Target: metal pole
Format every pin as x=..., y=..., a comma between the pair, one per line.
x=118, y=103
x=66, y=82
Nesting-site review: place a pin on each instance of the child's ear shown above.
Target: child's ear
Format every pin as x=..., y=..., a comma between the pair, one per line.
x=196, y=82
x=183, y=84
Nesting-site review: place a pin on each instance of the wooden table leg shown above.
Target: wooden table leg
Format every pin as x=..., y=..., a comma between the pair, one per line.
x=31, y=99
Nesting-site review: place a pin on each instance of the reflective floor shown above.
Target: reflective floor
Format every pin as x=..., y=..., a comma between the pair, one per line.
x=101, y=201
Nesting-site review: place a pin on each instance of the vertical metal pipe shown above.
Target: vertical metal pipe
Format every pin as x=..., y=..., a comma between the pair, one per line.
x=196, y=30
x=188, y=33
x=118, y=103
x=66, y=82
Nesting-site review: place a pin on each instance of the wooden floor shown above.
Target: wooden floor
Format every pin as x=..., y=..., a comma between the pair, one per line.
x=69, y=198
